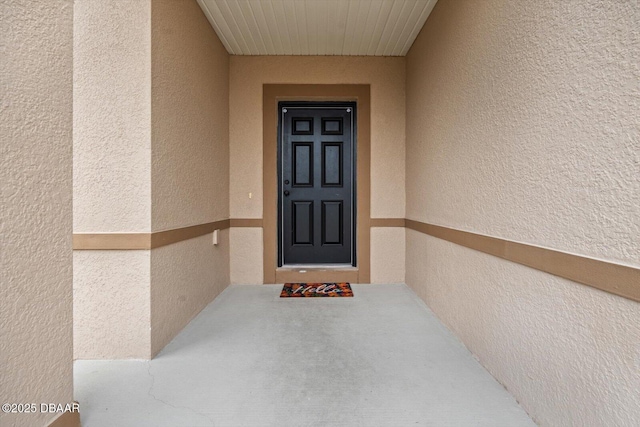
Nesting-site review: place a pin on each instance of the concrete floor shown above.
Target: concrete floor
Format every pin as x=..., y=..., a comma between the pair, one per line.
x=250, y=358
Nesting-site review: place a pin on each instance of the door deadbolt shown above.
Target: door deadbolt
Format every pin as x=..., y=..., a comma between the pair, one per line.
x=286, y=192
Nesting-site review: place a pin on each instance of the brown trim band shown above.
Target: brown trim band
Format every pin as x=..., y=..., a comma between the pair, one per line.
x=248, y=222
x=387, y=222
x=111, y=241
x=67, y=419
x=610, y=277
x=146, y=241
x=143, y=241
x=164, y=238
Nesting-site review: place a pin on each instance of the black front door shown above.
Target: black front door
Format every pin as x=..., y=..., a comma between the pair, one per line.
x=316, y=183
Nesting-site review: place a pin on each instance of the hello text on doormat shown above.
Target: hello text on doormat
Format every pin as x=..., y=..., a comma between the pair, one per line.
x=301, y=290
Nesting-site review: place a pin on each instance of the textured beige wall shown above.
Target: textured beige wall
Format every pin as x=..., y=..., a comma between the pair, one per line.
x=388, y=255
x=190, y=163
x=112, y=175
x=185, y=277
x=568, y=353
x=522, y=124
x=151, y=104
x=190, y=117
x=111, y=119
x=247, y=75
x=111, y=305
x=246, y=257
x=36, y=216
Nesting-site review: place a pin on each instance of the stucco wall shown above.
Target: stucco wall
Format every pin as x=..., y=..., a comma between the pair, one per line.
x=190, y=117
x=35, y=175
x=387, y=255
x=190, y=163
x=246, y=256
x=522, y=124
x=111, y=305
x=247, y=75
x=112, y=175
x=151, y=103
x=185, y=277
x=111, y=119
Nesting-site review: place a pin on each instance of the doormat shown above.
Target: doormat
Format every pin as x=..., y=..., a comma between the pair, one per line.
x=297, y=290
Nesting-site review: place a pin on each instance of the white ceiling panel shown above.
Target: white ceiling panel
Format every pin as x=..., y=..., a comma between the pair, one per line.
x=317, y=27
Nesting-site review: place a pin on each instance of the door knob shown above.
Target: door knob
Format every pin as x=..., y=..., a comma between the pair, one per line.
x=286, y=192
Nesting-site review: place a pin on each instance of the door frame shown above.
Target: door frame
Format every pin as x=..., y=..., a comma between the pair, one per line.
x=328, y=105
x=272, y=94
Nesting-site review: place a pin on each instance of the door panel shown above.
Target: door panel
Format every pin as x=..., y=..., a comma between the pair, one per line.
x=332, y=167
x=302, y=164
x=302, y=223
x=332, y=229
x=316, y=206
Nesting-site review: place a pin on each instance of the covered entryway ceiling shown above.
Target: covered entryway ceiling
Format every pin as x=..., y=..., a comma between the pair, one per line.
x=317, y=27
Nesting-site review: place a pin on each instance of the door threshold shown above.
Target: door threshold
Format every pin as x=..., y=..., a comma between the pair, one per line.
x=298, y=267
x=317, y=273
